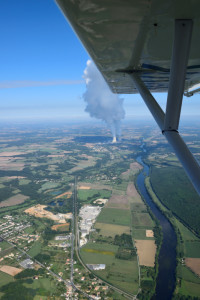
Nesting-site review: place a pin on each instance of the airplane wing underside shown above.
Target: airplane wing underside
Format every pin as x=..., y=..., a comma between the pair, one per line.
x=145, y=46
x=126, y=35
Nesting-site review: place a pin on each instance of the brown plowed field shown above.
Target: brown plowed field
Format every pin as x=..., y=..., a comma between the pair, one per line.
x=10, y=270
x=95, y=186
x=14, y=200
x=118, y=201
x=13, y=153
x=84, y=187
x=133, y=167
x=146, y=251
x=193, y=264
x=133, y=193
x=59, y=226
x=64, y=194
x=149, y=233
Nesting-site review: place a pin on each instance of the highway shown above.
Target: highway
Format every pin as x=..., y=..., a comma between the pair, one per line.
x=74, y=242
x=127, y=295
x=70, y=282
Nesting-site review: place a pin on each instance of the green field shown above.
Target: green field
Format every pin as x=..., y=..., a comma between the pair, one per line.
x=4, y=245
x=42, y=284
x=39, y=224
x=63, y=228
x=186, y=274
x=29, y=230
x=192, y=249
x=39, y=297
x=185, y=232
x=140, y=234
x=189, y=289
x=49, y=185
x=114, y=216
x=24, y=181
x=35, y=249
x=141, y=220
x=121, y=187
x=121, y=273
x=88, y=195
x=138, y=207
x=111, y=230
x=98, y=251
x=5, y=278
x=100, y=246
x=6, y=251
x=117, y=296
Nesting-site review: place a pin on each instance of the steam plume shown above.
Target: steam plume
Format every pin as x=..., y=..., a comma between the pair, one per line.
x=101, y=102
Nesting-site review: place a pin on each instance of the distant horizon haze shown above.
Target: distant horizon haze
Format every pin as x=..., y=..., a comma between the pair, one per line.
x=42, y=65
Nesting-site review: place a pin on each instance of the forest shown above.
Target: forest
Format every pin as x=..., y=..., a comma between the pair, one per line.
x=126, y=250
x=174, y=190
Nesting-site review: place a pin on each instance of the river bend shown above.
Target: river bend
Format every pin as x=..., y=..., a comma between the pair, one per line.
x=167, y=257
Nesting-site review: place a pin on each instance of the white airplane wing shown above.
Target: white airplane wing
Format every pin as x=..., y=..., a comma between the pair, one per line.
x=145, y=46
x=134, y=35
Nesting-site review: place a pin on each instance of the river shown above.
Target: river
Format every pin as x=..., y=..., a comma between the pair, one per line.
x=167, y=258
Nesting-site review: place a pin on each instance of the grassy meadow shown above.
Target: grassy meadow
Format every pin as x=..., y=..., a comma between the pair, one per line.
x=120, y=273
x=114, y=216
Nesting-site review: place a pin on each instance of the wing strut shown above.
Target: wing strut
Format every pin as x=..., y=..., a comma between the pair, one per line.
x=180, y=54
x=169, y=122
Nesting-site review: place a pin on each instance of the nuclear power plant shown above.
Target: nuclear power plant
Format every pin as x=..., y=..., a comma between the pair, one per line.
x=101, y=102
x=114, y=139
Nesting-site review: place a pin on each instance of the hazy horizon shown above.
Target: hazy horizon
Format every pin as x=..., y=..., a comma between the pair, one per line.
x=42, y=67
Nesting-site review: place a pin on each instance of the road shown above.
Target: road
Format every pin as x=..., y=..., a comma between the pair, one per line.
x=67, y=282
x=127, y=295
x=74, y=234
x=74, y=240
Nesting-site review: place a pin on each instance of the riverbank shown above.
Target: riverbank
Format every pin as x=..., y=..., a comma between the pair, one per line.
x=187, y=282
x=149, y=291
x=124, y=240
x=165, y=282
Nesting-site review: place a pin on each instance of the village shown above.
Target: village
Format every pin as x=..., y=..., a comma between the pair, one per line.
x=15, y=258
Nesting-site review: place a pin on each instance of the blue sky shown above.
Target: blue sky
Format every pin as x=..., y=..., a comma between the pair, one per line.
x=42, y=64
